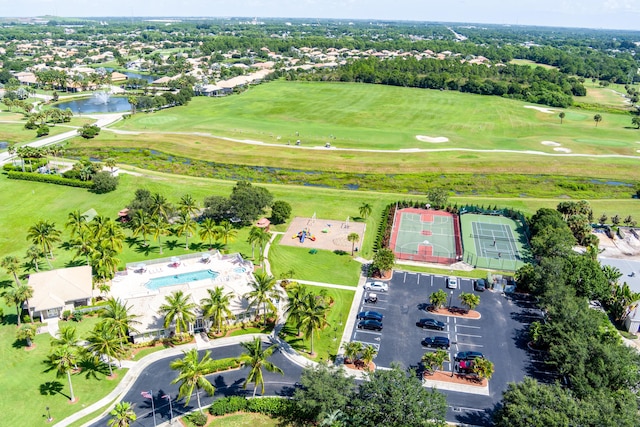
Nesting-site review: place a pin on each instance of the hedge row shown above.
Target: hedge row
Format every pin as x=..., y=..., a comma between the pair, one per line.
x=52, y=179
x=226, y=364
x=274, y=407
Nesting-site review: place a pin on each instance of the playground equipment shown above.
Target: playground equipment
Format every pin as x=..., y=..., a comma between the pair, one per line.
x=305, y=234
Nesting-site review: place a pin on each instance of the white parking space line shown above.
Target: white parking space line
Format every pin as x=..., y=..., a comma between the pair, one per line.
x=363, y=331
x=419, y=278
x=468, y=326
x=469, y=335
x=465, y=344
x=376, y=345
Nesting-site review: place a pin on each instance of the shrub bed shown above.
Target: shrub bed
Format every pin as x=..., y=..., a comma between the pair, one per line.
x=52, y=179
x=272, y=406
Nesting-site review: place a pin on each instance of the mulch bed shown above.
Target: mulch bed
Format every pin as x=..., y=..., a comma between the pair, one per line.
x=456, y=379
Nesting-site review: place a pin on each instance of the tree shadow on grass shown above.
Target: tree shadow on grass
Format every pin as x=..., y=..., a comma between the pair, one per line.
x=19, y=344
x=147, y=250
x=197, y=246
x=134, y=241
x=172, y=244
x=5, y=284
x=75, y=263
x=51, y=388
x=92, y=367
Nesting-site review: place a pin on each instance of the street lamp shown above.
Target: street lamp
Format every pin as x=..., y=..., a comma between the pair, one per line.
x=49, y=418
x=450, y=299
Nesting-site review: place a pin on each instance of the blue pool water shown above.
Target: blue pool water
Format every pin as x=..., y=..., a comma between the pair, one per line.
x=179, y=279
x=239, y=270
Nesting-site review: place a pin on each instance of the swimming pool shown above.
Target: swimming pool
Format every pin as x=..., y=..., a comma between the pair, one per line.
x=179, y=279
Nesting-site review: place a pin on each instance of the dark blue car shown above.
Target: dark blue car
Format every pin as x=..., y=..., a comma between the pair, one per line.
x=370, y=315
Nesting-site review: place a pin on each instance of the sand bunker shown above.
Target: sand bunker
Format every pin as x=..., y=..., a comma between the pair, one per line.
x=436, y=139
x=541, y=109
x=550, y=143
x=562, y=149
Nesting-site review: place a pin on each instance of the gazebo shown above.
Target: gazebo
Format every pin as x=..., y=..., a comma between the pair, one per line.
x=123, y=215
x=263, y=223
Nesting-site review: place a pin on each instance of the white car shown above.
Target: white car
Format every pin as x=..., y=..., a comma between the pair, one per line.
x=376, y=286
x=452, y=282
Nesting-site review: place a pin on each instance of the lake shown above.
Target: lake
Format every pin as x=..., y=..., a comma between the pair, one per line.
x=99, y=103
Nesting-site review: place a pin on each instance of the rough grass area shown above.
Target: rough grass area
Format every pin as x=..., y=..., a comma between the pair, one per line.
x=244, y=420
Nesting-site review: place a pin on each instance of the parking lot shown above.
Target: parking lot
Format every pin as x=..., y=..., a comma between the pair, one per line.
x=500, y=334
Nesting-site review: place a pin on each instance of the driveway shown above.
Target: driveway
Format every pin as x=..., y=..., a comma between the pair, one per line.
x=157, y=378
x=500, y=334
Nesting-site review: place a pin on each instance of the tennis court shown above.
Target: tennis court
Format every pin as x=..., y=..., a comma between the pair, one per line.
x=425, y=235
x=493, y=242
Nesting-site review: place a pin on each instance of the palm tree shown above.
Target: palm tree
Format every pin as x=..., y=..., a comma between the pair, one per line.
x=438, y=298
x=117, y=319
x=77, y=222
x=112, y=236
x=227, y=232
x=597, y=118
x=216, y=306
x=159, y=227
x=562, y=115
x=26, y=332
x=483, y=368
x=110, y=163
x=353, y=238
x=122, y=415
x=263, y=239
x=160, y=206
x=256, y=358
x=133, y=100
x=208, y=230
x=365, y=210
x=188, y=204
x=253, y=239
x=11, y=265
x=263, y=293
x=141, y=224
x=352, y=350
x=83, y=245
x=193, y=374
x=369, y=352
x=103, y=342
x=178, y=309
x=104, y=263
x=432, y=360
x=470, y=300
x=186, y=226
x=44, y=234
x=17, y=296
x=612, y=273
x=63, y=359
x=297, y=296
x=33, y=255
x=313, y=317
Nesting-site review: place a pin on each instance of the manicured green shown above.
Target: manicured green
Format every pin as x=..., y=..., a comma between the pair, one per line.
x=327, y=343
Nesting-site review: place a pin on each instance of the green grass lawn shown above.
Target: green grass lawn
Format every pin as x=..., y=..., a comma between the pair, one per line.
x=385, y=117
x=326, y=344
x=244, y=420
x=323, y=266
x=28, y=389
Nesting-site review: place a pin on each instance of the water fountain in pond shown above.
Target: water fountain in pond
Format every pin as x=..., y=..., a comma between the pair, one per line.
x=101, y=97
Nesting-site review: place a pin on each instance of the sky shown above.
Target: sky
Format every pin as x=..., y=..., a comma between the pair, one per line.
x=609, y=14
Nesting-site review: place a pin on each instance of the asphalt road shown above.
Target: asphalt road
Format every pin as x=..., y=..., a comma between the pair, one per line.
x=501, y=334
x=158, y=376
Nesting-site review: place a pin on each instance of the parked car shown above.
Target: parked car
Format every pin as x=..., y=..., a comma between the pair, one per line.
x=429, y=323
x=372, y=325
x=438, y=342
x=376, y=286
x=468, y=355
x=452, y=282
x=370, y=315
x=480, y=285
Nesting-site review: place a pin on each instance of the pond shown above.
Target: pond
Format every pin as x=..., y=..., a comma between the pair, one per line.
x=99, y=103
x=133, y=75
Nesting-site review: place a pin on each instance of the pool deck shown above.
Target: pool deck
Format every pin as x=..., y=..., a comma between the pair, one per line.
x=145, y=302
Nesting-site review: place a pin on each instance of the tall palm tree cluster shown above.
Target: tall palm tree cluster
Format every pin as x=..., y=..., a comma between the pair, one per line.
x=17, y=295
x=108, y=341
x=307, y=312
x=28, y=152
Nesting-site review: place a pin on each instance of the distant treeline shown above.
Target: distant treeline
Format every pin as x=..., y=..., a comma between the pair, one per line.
x=530, y=84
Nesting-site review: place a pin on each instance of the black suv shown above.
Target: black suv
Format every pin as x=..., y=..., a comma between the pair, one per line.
x=429, y=323
x=370, y=315
x=439, y=342
x=480, y=285
x=373, y=325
